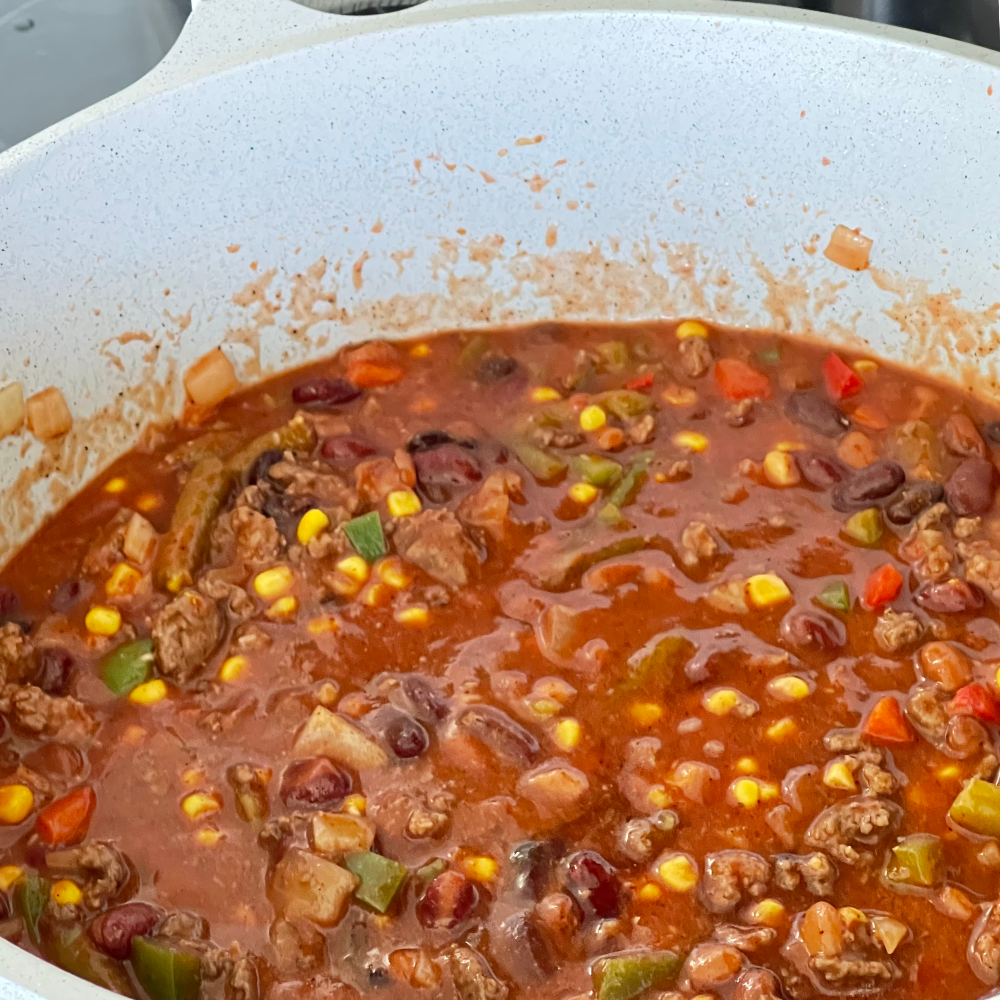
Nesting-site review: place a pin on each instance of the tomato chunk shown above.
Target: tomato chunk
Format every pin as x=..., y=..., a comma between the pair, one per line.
x=882, y=586
x=737, y=380
x=976, y=700
x=369, y=374
x=67, y=820
x=841, y=380
x=887, y=724
x=640, y=382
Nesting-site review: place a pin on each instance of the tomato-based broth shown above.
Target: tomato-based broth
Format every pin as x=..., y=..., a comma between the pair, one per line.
x=573, y=661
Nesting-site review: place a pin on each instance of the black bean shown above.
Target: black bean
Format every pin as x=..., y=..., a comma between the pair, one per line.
x=499, y=732
x=69, y=594
x=950, y=597
x=113, y=931
x=52, y=674
x=521, y=950
x=594, y=884
x=314, y=782
x=428, y=440
x=446, y=901
x=428, y=703
x=970, y=489
x=495, y=368
x=911, y=499
x=346, y=450
x=322, y=392
x=819, y=470
x=992, y=431
x=532, y=862
x=816, y=413
x=405, y=736
x=263, y=463
x=868, y=485
x=812, y=629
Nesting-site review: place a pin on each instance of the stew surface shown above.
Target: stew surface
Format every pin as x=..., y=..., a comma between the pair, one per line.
x=566, y=662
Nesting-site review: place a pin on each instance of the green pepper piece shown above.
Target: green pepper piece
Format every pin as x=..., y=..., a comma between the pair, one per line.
x=636, y=474
x=865, y=527
x=128, y=666
x=610, y=515
x=916, y=860
x=615, y=354
x=835, y=596
x=164, y=971
x=366, y=535
x=657, y=662
x=537, y=461
x=430, y=871
x=628, y=976
x=71, y=949
x=625, y=403
x=30, y=896
x=296, y=435
x=977, y=808
x=596, y=470
x=380, y=878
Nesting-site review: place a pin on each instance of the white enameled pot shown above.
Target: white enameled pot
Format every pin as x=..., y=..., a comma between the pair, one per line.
x=287, y=181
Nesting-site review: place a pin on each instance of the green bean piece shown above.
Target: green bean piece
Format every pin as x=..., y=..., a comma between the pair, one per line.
x=977, y=808
x=865, y=527
x=615, y=354
x=916, y=860
x=128, y=666
x=627, y=976
x=835, y=596
x=30, y=896
x=537, y=461
x=596, y=470
x=71, y=949
x=296, y=435
x=380, y=878
x=635, y=475
x=625, y=403
x=205, y=446
x=164, y=971
x=366, y=535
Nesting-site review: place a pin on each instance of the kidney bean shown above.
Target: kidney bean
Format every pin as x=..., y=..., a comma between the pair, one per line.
x=323, y=392
x=816, y=413
x=521, y=950
x=113, y=931
x=405, y=736
x=262, y=464
x=950, y=597
x=495, y=368
x=960, y=436
x=499, y=732
x=428, y=703
x=992, y=431
x=819, y=470
x=594, y=884
x=53, y=671
x=4, y=907
x=872, y=483
x=812, y=629
x=8, y=601
x=446, y=467
x=532, y=862
x=68, y=594
x=428, y=440
x=970, y=489
x=346, y=450
x=965, y=735
x=446, y=901
x=315, y=782
x=911, y=499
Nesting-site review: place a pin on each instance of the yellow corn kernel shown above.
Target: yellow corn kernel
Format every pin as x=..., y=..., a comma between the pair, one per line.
x=123, y=581
x=852, y=915
x=690, y=441
x=199, y=804
x=193, y=776
x=133, y=735
x=356, y=805
x=415, y=617
x=403, y=503
x=646, y=713
x=544, y=708
x=721, y=702
x=583, y=493
x=375, y=596
x=782, y=729
x=948, y=773
x=679, y=395
x=769, y=790
x=116, y=485
x=354, y=568
x=176, y=582
x=746, y=792
x=788, y=687
x=392, y=574
x=16, y=803
x=149, y=693
x=273, y=582
x=311, y=524
x=592, y=418
x=839, y=775
x=480, y=867
x=102, y=620
x=10, y=875
x=678, y=873
x=328, y=693
x=66, y=893
x=209, y=836
x=780, y=469
x=148, y=501
x=283, y=609
x=998, y=677
x=765, y=590
x=649, y=893
x=231, y=668
x=567, y=734
x=747, y=765
x=545, y=394
x=659, y=797
x=789, y=446
x=322, y=625
x=691, y=328
x=865, y=367
x=420, y=351
x=768, y=912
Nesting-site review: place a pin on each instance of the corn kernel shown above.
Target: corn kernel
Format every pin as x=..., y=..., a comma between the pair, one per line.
x=789, y=446
x=747, y=765
x=646, y=713
x=678, y=873
x=356, y=805
x=193, y=776
x=948, y=773
x=283, y=609
x=998, y=677
x=148, y=501
x=199, y=804
x=780, y=469
x=765, y=590
x=865, y=367
x=659, y=797
x=133, y=735
x=231, y=668
x=782, y=729
x=354, y=568
x=838, y=774
x=116, y=485
x=273, y=582
x=789, y=687
x=852, y=915
x=403, y=503
x=545, y=394
x=392, y=574
x=769, y=790
x=544, y=708
x=769, y=912
x=556, y=688
x=567, y=734
x=208, y=837
x=176, y=582
x=721, y=702
x=16, y=803
x=690, y=441
x=583, y=493
x=415, y=617
x=123, y=580
x=375, y=596
x=10, y=875
x=102, y=620
x=649, y=893
x=66, y=893
x=322, y=625
x=679, y=395
x=592, y=418
x=691, y=328
x=328, y=693
x=480, y=868
x=745, y=792
x=149, y=693
x=420, y=351
x=311, y=524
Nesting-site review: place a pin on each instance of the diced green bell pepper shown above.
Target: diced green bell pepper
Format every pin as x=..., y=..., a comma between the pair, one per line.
x=615, y=354
x=366, y=535
x=916, y=860
x=835, y=596
x=657, y=662
x=610, y=514
x=380, y=878
x=30, y=896
x=977, y=808
x=636, y=474
x=430, y=871
x=71, y=949
x=128, y=666
x=164, y=971
x=537, y=461
x=596, y=470
x=625, y=403
x=627, y=976
x=865, y=527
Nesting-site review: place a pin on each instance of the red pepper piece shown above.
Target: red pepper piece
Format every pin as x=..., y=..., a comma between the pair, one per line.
x=640, y=382
x=841, y=380
x=887, y=724
x=737, y=380
x=976, y=700
x=66, y=820
x=882, y=586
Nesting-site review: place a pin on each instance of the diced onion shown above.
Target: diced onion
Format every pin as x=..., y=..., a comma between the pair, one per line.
x=210, y=379
x=11, y=408
x=47, y=413
x=849, y=248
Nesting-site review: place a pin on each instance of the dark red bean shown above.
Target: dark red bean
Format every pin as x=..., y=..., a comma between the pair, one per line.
x=965, y=736
x=69, y=594
x=428, y=440
x=532, y=862
x=819, y=470
x=262, y=466
x=960, y=436
x=346, y=450
x=992, y=431
x=521, y=950
x=970, y=489
x=756, y=984
x=446, y=901
x=113, y=931
x=816, y=413
x=594, y=884
x=950, y=597
x=813, y=629
x=55, y=665
x=315, y=782
x=499, y=732
x=428, y=703
x=868, y=485
x=8, y=601
x=323, y=392
x=405, y=736
x=495, y=368
x=446, y=467
x=911, y=499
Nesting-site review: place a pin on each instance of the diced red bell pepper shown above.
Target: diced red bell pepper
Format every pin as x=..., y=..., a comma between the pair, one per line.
x=640, y=382
x=67, y=820
x=841, y=380
x=976, y=700
x=882, y=586
x=737, y=380
x=887, y=724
